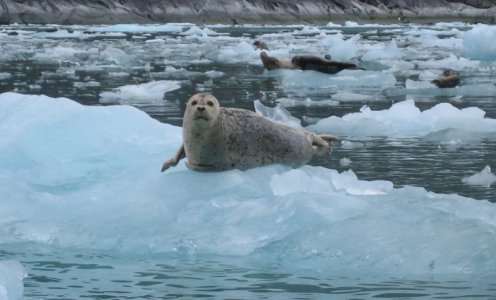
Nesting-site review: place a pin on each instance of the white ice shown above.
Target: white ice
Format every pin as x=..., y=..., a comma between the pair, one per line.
x=242, y=51
x=305, y=82
x=11, y=275
x=170, y=27
x=89, y=177
x=479, y=43
x=5, y=75
x=340, y=48
x=483, y=178
x=139, y=94
x=195, y=30
x=278, y=114
x=405, y=119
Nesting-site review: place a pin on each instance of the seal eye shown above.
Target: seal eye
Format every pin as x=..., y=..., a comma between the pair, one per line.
x=194, y=103
x=210, y=103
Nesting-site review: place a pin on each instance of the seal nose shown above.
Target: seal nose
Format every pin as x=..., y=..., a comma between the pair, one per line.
x=200, y=108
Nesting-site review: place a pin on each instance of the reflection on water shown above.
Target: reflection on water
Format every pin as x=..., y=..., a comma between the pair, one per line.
x=66, y=274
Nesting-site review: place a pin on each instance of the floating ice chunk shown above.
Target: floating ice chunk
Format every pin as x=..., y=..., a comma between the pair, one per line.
x=331, y=24
x=452, y=61
x=308, y=30
x=351, y=24
x=423, y=88
x=414, y=84
x=450, y=24
x=341, y=49
x=345, y=162
x=484, y=178
x=389, y=52
x=88, y=84
x=102, y=163
x=116, y=56
x=5, y=75
x=137, y=94
x=349, y=97
x=405, y=119
x=195, y=30
x=307, y=102
x=278, y=114
x=153, y=41
x=453, y=139
x=139, y=28
x=450, y=43
x=57, y=53
x=304, y=82
x=177, y=73
x=308, y=182
x=215, y=74
x=11, y=275
x=478, y=43
x=241, y=52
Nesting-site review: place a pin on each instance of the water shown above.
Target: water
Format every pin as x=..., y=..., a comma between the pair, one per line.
x=67, y=273
x=81, y=63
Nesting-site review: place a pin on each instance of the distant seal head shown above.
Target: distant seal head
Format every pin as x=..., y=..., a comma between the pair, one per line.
x=260, y=45
x=324, y=65
x=449, y=79
x=272, y=63
x=217, y=138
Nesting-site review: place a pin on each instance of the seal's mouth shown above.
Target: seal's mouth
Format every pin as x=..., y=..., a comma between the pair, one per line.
x=201, y=117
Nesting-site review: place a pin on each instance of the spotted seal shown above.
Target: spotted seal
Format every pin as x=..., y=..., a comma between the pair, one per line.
x=324, y=65
x=260, y=45
x=217, y=138
x=449, y=79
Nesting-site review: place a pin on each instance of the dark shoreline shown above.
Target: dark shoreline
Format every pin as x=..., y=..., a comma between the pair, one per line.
x=317, y=21
x=316, y=12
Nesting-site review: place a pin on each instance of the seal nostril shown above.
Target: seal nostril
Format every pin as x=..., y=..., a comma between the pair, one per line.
x=200, y=108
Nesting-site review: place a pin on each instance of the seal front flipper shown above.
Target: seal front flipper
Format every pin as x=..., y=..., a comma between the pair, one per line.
x=175, y=160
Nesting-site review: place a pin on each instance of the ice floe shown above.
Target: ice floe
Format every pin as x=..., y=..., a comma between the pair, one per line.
x=11, y=275
x=103, y=164
x=484, y=178
x=405, y=119
x=136, y=94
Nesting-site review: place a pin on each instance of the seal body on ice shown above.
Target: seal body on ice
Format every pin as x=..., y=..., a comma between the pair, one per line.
x=449, y=79
x=217, y=138
x=324, y=65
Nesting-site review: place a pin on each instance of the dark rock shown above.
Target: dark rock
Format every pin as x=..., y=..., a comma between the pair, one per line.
x=237, y=12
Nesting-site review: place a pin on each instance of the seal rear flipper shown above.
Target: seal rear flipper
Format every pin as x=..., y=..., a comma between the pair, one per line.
x=322, y=144
x=328, y=138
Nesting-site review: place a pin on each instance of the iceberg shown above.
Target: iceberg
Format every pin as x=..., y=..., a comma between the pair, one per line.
x=311, y=82
x=483, y=178
x=139, y=28
x=197, y=31
x=478, y=43
x=11, y=275
x=139, y=94
x=405, y=119
x=88, y=177
x=339, y=48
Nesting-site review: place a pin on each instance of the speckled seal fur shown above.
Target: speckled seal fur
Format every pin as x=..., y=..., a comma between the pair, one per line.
x=217, y=138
